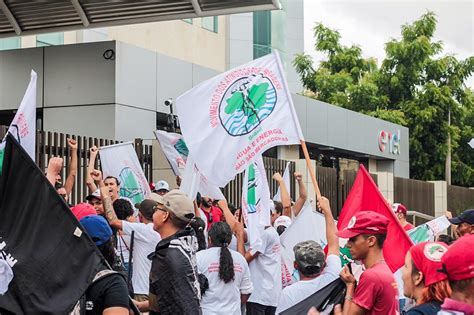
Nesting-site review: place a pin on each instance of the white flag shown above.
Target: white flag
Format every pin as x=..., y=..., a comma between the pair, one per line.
x=193, y=182
x=308, y=225
x=286, y=180
x=256, y=203
x=23, y=126
x=231, y=119
x=174, y=148
x=121, y=161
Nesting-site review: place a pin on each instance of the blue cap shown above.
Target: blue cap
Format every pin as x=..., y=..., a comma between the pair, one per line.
x=467, y=216
x=97, y=228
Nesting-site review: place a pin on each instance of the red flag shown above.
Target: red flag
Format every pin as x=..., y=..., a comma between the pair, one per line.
x=366, y=196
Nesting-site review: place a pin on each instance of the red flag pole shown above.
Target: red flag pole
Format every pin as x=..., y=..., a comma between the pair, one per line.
x=310, y=168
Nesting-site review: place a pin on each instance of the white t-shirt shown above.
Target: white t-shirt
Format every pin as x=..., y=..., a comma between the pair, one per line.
x=265, y=270
x=223, y=298
x=204, y=218
x=233, y=242
x=300, y=290
x=145, y=241
x=123, y=245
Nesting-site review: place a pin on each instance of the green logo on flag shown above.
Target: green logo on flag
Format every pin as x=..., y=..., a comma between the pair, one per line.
x=2, y=153
x=182, y=148
x=246, y=103
x=130, y=186
x=252, y=190
x=420, y=234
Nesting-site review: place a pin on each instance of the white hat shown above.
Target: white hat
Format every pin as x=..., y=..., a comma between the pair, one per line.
x=162, y=185
x=282, y=220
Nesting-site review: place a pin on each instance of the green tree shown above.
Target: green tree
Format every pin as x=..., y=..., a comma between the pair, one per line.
x=413, y=87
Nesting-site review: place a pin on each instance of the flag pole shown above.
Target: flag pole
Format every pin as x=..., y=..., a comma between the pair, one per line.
x=300, y=133
x=310, y=169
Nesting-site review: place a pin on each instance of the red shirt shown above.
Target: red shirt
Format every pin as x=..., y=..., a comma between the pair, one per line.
x=215, y=215
x=408, y=227
x=377, y=291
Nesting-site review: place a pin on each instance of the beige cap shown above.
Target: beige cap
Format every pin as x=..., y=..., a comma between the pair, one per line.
x=177, y=203
x=156, y=197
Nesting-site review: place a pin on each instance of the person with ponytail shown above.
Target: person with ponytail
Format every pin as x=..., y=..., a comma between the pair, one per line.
x=227, y=272
x=421, y=279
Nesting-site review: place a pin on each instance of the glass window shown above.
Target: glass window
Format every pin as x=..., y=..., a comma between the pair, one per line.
x=210, y=23
x=190, y=21
x=49, y=39
x=262, y=33
x=10, y=43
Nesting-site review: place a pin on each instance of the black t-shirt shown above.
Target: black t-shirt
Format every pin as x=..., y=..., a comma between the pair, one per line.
x=110, y=291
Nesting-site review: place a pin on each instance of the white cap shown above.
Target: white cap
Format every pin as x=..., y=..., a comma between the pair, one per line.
x=162, y=185
x=282, y=220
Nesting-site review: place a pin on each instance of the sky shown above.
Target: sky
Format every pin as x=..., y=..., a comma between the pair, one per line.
x=370, y=24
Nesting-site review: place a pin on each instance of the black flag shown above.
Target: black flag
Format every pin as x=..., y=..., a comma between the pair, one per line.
x=46, y=258
x=323, y=300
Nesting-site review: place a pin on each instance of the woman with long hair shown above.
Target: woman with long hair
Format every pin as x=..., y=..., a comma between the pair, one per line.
x=421, y=279
x=227, y=272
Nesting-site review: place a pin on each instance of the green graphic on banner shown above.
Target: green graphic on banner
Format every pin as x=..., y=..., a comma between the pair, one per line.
x=130, y=186
x=420, y=234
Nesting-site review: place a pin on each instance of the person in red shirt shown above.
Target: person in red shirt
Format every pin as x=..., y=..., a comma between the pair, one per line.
x=212, y=213
x=458, y=264
x=401, y=213
x=376, y=292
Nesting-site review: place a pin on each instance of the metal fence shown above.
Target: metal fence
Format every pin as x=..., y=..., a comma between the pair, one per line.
x=460, y=199
x=50, y=144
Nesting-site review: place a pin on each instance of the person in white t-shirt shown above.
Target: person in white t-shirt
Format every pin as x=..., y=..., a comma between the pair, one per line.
x=315, y=271
x=265, y=271
x=145, y=240
x=227, y=272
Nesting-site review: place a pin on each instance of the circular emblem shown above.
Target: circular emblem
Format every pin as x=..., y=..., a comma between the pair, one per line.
x=246, y=103
x=352, y=222
x=434, y=251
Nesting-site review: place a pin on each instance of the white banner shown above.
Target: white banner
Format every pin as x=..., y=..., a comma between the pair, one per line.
x=174, y=148
x=193, y=182
x=286, y=180
x=308, y=225
x=256, y=203
x=23, y=126
x=231, y=119
x=121, y=161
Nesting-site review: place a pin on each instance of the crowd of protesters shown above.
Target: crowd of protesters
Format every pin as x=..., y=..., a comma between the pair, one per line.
x=192, y=256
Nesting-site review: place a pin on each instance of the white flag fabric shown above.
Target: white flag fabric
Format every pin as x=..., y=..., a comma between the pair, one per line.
x=174, y=148
x=193, y=182
x=429, y=230
x=256, y=203
x=23, y=125
x=286, y=180
x=307, y=225
x=231, y=119
x=121, y=161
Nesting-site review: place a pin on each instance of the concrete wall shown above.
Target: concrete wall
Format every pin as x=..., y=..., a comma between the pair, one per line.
x=336, y=127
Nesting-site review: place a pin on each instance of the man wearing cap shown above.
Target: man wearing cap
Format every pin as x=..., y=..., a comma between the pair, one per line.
x=174, y=285
x=145, y=240
x=314, y=269
x=401, y=213
x=458, y=264
x=281, y=224
x=376, y=292
x=464, y=223
x=162, y=187
x=95, y=200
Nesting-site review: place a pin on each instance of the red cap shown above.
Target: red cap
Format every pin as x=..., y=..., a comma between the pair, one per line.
x=83, y=209
x=427, y=258
x=458, y=262
x=365, y=222
x=399, y=208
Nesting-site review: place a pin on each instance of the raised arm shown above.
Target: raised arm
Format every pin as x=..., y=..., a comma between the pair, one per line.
x=55, y=166
x=90, y=168
x=284, y=194
x=331, y=236
x=303, y=194
x=106, y=201
x=229, y=217
x=71, y=177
